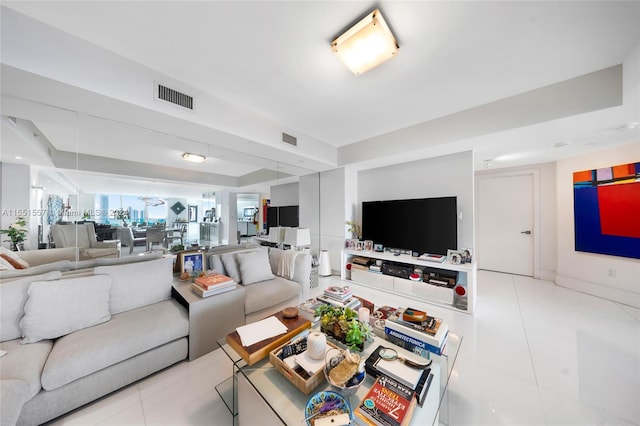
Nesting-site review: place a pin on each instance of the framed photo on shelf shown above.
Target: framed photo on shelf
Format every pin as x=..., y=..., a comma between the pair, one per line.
x=467, y=255
x=350, y=244
x=368, y=245
x=454, y=257
x=193, y=260
x=359, y=245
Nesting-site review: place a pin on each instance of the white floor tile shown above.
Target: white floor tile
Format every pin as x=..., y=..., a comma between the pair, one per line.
x=102, y=409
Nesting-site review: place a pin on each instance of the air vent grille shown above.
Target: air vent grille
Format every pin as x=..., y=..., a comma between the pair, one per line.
x=291, y=140
x=167, y=94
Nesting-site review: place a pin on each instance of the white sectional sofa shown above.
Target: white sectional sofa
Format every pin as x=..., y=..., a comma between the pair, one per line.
x=71, y=337
x=77, y=330
x=272, y=278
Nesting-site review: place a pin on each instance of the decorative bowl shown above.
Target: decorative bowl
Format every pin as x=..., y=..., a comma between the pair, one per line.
x=317, y=401
x=352, y=386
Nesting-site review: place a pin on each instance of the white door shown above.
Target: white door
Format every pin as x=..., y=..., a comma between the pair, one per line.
x=505, y=224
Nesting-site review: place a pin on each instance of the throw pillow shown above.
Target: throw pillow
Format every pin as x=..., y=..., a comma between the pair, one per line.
x=13, y=294
x=138, y=284
x=56, y=308
x=13, y=258
x=254, y=267
x=231, y=266
x=5, y=265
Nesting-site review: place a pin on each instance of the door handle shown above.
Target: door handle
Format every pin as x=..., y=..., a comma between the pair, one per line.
x=526, y=232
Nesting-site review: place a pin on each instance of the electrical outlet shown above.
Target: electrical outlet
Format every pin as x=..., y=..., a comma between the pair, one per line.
x=612, y=273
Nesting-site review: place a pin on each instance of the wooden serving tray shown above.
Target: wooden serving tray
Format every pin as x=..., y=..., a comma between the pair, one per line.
x=257, y=351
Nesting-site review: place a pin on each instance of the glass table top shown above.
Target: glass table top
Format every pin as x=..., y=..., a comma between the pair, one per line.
x=288, y=403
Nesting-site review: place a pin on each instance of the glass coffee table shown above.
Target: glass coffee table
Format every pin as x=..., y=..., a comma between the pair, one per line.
x=287, y=402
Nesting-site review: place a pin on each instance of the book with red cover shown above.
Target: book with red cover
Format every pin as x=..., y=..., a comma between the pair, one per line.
x=388, y=403
x=210, y=281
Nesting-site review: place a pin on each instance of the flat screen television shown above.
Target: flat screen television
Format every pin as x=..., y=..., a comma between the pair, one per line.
x=425, y=225
x=283, y=216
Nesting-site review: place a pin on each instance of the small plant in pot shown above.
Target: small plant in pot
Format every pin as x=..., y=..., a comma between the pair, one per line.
x=343, y=325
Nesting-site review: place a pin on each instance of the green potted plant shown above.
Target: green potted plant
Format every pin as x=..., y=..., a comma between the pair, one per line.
x=17, y=233
x=354, y=228
x=343, y=325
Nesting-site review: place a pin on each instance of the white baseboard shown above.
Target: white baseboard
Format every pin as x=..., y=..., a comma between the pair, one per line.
x=613, y=294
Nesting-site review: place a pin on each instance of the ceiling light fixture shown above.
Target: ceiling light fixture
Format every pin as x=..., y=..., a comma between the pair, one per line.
x=367, y=44
x=194, y=158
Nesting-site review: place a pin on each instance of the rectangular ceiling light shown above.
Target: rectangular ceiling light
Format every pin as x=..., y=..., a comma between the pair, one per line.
x=194, y=157
x=367, y=44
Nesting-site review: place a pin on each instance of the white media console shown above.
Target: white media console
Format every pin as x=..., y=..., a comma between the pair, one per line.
x=464, y=289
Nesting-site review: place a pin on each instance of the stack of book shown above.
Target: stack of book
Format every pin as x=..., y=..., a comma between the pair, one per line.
x=387, y=403
x=419, y=380
x=212, y=284
x=351, y=303
x=419, y=338
x=338, y=293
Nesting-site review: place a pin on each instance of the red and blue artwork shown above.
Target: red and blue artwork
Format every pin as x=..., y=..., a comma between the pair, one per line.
x=606, y=205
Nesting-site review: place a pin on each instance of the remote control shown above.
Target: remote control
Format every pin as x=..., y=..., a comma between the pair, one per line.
x=293, y=349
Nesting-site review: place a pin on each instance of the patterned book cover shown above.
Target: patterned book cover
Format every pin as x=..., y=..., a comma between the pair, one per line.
x=388, y=403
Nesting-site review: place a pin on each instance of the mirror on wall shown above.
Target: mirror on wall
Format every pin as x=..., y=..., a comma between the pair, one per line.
x=124, y=180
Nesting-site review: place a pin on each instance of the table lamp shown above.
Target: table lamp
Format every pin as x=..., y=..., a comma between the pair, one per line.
x=297, y=237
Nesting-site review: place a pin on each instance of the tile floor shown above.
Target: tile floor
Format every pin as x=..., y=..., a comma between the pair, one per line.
x=533, y=354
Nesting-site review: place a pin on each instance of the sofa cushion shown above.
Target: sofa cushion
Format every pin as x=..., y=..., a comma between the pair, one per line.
x=56, y=308
x=143, y=257
x=15, y=264
x=25, y=363
x=269, y=293
x=13, y=295
x=254, y=267
x=14, y=258
x=215, y=263
x=138, y=284
x=5, y=265
x=231, y=266
x=14, y=394
x=128, y=334
x=62, y=265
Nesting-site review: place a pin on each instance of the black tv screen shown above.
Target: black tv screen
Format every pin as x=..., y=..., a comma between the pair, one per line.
x=425, y=225
x=282, y=216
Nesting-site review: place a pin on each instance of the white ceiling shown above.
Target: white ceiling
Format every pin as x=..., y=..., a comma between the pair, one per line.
x=260, y=68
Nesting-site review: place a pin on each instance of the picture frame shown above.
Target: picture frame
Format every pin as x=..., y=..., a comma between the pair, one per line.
x=466, y=255
x=368, y=245
x=454, y=257
x=350, y=244
x=197, y=259
x=193, y=213
x=359, y=245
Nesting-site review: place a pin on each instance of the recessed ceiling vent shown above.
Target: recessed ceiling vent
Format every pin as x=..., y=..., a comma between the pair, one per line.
x=170, y=95
x=291, y=140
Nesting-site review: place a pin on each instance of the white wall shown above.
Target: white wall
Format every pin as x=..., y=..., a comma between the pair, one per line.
x=589, y=272
x=450, y=175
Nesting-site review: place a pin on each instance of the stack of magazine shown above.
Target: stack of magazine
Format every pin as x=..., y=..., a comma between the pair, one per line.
x=341, y=297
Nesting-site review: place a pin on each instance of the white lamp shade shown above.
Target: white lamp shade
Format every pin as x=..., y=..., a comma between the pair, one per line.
x=276, y=234
x=297, y=237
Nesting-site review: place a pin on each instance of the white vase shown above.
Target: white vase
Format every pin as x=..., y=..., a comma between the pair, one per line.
x=324, y=269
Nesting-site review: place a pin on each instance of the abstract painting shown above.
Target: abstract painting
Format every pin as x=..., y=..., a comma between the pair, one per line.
x=606, y=204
